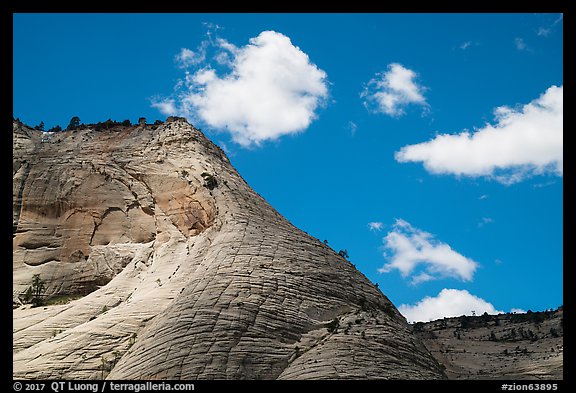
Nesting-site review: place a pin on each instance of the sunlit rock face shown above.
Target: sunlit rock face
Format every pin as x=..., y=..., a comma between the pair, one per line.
x=179, y=270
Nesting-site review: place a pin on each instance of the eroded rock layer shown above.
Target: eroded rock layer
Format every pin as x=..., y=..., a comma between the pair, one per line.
x=527, y=346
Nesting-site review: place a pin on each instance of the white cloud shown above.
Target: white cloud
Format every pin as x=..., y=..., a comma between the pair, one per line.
x=448, y=303
x=517, y=311
x=353, y=127
x=484, y=221
x=421, y=277
x=466, y=45
x=226, y=149
x=375, y=226
x=483, y=196
x=520, y=44
x=545, y=184
x=543, y=32
x=523, y=142
x=226, y=55
x=211, y=27
x=166, y=107
x=408, y=247
x=393, y=90
x=224, y=44
x=187, y=57
x=272, y=89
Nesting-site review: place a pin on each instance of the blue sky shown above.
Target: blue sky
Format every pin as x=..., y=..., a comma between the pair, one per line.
x=342, y=120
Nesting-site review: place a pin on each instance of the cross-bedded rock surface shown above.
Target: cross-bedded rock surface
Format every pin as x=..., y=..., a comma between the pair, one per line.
x=175, y=277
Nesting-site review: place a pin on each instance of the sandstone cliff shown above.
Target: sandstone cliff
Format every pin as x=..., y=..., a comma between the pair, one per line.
x=160, y=262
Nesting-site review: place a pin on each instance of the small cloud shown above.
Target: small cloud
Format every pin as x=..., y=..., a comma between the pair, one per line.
x=352, y=127
x=498, y=261
x=524, y=142
x=227, y=46
x=211, y=27
x=485, y=221
x=223, y=59
x=558, y=20
x=482, y=197
x=545, y=184
x=422, y=277
x=375, y=226
x=391, y=91
x=521, y=45
x=407, y=248
x=517, y=311
x=187, y=57
x=227, y=52
x=466, y=45
x=226, y=150
x=166, y=106
x=448, y=303
x=543, y=32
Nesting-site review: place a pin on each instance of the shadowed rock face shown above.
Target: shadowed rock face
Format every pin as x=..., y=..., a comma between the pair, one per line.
x=180, y=281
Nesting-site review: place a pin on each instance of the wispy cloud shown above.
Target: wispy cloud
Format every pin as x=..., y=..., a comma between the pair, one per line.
x=165, y=106
x=546, y=30
x=545, y=184
x=559, y=19
x=353, y=127
x=271, y=89
x=407, y=248
x=375, y=226
x=188, y=57
x=226, y=149
x=392, y=91
x=482, y=197
x=521, y=44
x=465, y=46
x=543, y=31
x=421, y=277
x=448, y=303
x=485, y=221
x=524, y=142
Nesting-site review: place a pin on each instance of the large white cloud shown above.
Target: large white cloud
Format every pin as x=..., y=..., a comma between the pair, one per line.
x=393, y=90
x=272, y=89
x=523, y=142
x=407, y=248
x=448, y=303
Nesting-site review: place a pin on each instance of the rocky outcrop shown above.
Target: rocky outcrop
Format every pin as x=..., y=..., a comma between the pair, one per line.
x=507, y=346
x=177, y=269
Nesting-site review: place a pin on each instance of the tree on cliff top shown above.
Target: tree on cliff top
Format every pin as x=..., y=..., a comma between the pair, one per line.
x=74, y=123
